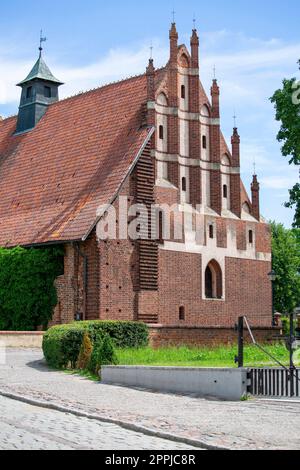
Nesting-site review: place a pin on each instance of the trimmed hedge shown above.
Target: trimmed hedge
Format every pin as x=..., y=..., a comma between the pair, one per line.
x=125, y=334
x=62, y=344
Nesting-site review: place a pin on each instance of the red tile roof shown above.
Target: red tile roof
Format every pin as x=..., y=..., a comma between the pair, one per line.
x=53, y=178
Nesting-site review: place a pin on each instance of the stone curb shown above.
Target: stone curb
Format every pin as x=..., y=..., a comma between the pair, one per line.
x=122, y=424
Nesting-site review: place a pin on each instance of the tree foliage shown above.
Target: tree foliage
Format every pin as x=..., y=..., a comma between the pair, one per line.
x=287, y=106
x=27, y=290
x=286, y=264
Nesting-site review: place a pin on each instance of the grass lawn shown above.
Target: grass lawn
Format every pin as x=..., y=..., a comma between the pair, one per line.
x=202, y=357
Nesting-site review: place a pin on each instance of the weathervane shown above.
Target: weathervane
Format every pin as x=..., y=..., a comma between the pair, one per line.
x=151, y=51
x=42, y=39
x=254, y=165
x=194, y=21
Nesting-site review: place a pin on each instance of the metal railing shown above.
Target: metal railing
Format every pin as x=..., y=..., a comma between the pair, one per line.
x=270, y=382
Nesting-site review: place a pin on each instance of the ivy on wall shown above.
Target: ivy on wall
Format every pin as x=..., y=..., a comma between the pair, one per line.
x=27, y=291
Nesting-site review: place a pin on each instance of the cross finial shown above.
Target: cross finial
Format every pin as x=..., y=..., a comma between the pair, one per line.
x=42, y=39
x=234, y=119
x=151, y=50
x=214, y=70
x=173, y=15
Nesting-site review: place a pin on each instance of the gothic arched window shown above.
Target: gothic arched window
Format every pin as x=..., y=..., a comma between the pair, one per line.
x=213, y=281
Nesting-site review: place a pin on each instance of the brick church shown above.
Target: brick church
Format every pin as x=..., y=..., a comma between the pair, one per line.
x=154, y=139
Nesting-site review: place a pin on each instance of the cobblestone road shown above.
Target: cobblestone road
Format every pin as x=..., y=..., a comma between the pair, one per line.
x=26, y=427
x=256, y=424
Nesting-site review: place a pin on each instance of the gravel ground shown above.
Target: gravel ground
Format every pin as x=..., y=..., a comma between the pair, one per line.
x=255, y=424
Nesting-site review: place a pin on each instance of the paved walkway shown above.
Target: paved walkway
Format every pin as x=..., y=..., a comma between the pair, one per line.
x=254, y=424
x=26, y=427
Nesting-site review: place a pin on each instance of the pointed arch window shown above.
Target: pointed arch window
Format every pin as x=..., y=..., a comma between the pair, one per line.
x=213, y=281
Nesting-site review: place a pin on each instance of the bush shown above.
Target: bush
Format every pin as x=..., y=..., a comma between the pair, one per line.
x=103, y=354
x=27, y=291
x=62, y=344
x=85, y=353
x=124, y=334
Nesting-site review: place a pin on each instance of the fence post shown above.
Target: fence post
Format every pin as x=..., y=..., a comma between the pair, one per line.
x=292, y=367
x=240, y=329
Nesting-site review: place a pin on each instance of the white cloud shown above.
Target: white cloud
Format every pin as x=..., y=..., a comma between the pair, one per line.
x=278, y=182
x=117, y=64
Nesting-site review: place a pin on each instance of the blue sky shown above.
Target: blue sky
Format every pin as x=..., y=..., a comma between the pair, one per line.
x=253, y=45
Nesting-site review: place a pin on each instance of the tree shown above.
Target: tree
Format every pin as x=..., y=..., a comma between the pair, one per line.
x=287, y=106
x=286, y=264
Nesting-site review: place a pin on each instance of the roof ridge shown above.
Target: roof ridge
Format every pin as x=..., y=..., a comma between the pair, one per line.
x=91, y=90
x=106, y=85
x=6, y=118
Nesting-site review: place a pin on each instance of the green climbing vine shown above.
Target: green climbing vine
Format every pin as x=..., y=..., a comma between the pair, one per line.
x=27, y=291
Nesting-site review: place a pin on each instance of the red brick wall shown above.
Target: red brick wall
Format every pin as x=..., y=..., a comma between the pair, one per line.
x=192, y=336
x=248, y=292
x=118, y=277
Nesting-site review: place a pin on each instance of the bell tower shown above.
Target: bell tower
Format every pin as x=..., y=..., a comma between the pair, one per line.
x=39, y=90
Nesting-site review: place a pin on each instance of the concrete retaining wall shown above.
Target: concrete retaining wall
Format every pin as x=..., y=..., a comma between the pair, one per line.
x=12, y=339
x=225, y=384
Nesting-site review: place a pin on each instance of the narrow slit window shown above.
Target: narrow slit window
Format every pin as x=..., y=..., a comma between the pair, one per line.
x=181, y=313
x=250, y=237
x=211, y=231
x=183, y=92
x=161, y=132
x=184, y=184
x=160, y=227
x=204, y=142
x=225, y=191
